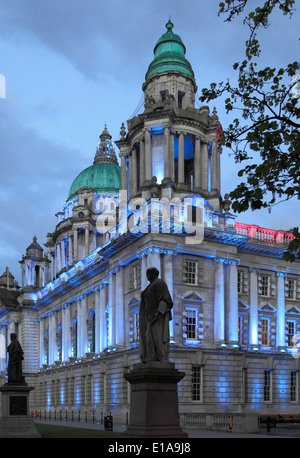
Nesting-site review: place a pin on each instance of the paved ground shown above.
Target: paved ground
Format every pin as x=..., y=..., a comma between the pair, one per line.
x=281, y=431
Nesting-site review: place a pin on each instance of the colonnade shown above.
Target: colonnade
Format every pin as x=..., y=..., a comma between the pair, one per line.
x=36, y=274
x=226, y=306
x=66, y=252
x=206, y=161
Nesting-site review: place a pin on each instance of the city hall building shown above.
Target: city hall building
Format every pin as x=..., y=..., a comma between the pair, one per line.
x=236, y=301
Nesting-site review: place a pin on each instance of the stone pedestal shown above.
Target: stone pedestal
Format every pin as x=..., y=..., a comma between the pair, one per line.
x=15, y=419
x=154, y=401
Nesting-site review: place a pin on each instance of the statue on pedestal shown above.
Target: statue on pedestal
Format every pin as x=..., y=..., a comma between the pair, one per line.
x=154, y=316
x=14, y=367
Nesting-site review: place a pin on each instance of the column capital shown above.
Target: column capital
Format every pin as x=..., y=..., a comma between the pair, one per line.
x=155, y=248
x=253, y=269
x=281, y=274
x=227, y=260
x=114, y=269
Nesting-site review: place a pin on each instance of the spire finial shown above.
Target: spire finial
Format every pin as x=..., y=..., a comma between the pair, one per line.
x=169, y=25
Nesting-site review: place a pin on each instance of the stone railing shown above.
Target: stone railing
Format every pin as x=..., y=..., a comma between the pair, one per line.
x=264, y=235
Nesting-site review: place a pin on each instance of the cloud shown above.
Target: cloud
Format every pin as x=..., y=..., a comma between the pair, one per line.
x=34, y=183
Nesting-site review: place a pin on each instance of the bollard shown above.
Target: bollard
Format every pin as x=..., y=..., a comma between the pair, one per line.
x=108, y=423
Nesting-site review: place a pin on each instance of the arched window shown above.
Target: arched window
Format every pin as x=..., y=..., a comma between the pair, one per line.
x=91, y=331
x=73, y=329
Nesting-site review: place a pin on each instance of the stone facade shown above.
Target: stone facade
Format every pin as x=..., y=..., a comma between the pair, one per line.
x=236, y=302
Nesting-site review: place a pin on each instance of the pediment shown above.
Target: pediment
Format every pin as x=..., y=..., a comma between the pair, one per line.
x=267, y=308
x=293, y=310
x=242, y=305
x=193, y=297
x=133, y=301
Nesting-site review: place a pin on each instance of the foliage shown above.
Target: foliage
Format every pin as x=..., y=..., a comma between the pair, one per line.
x=266, y=134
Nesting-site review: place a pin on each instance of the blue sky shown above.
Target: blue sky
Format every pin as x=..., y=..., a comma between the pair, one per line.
x=71, y=66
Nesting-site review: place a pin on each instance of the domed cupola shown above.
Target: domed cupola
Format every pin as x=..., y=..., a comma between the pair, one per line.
x=104, y=176
x=170, y=79
x=169, y=55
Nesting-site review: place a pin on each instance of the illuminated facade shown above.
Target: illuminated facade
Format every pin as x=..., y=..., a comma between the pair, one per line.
x=236, y=302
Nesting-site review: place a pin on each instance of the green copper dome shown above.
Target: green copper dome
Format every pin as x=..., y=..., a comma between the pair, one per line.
x=104, y=176
x=169, y=54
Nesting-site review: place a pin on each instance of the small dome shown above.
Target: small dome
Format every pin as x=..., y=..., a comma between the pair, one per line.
x=169, y=54
x=34, y=250
x=104, y=176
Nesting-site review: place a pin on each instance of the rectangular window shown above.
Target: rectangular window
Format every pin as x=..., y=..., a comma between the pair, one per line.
x=291, y=331
x=191, y=324
x=291, y=291
x=294, y=387
x=240, y=329
x=191, y=272
x=267, y=385
x=196, y=383
x=240, y=277
x=265, y=285
x=135, y=327
x=265, y=332
x=135, y=277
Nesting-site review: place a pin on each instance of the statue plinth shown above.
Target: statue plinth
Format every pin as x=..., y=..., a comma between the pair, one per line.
x=15, y=418
x=154, y=401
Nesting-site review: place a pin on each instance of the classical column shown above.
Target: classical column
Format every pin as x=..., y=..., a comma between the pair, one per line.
x=134, y=170
x=166, y=152
x=197, y=168
x=214, y=165
x=79, y=327
x=280, y=315
x=75, y=236
x=144, y=280
x=253, y=321
x=86, y=241
x=130, y=172
x=219, y=306
x=97, y=320
x=123, y=171
x=232, y=304
x=66, y=333
x=181, y=159
x=41, y=346
x=171, y=157
x=204, y=166
x=111, y=310
x=142, y=161
x=62, y=252
x=168, y=278
x=147, y=155
x=58, y=258
x=120, y=308
x=52, y=338
x=154, y=258
x=84, y=339
x=26, y=275
x=103, y=321
x=70, y=251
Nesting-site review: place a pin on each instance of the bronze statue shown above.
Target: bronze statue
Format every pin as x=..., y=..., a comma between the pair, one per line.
x=14, y=367
x=154, y=317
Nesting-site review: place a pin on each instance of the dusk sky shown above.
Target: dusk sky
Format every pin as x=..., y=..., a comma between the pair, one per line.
x=70, y=66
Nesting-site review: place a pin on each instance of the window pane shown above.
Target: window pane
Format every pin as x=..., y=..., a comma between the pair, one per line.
x=191, y=324
x=196, y=383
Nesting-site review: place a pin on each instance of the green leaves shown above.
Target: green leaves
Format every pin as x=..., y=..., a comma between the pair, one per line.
x=265, y=135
